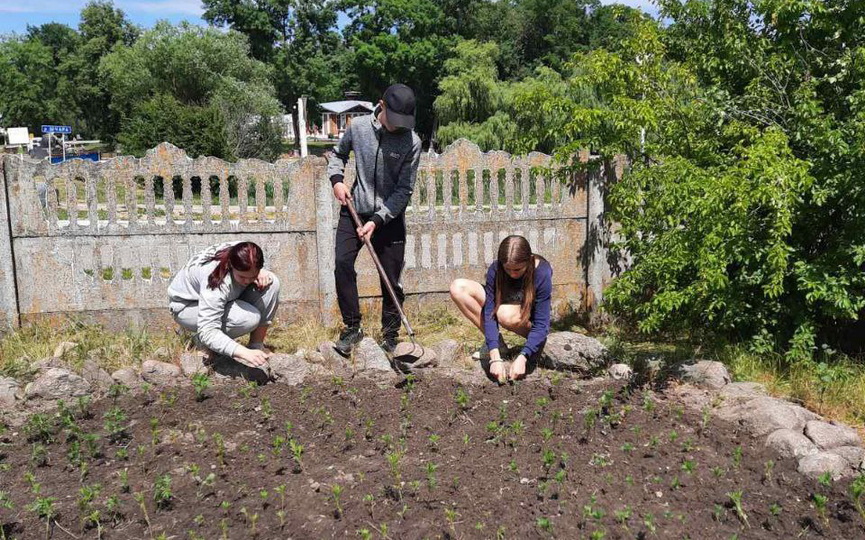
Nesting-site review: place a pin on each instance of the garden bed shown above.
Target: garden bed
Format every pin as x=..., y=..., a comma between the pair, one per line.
x=429, y=458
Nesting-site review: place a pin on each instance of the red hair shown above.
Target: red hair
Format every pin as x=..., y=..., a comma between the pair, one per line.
x=243, y=256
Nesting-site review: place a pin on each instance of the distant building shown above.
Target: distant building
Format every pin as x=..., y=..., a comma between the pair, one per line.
x=336, y=116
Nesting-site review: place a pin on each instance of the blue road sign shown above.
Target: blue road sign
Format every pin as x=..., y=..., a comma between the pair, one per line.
x=57, y=129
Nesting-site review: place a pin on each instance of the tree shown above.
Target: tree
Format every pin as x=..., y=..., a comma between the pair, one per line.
x=742, y=209
x=198, y=86
x=32, y=79
x=298, y=39
x=403, y=41
x=102, y=27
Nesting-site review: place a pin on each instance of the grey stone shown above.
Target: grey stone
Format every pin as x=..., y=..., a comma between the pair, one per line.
x=159, y=373
x=96, y=376
x=620, y=371
x=64, y=347
x=739, y=392
x=57, y=383
x=192, y=363
x=448, y=352
x=815, y=465
x=48, y=363
x=10, y=392
x=370, y=357
x=292, y=369
x=791, y=444
x=691, y=396
x=853, y=454
x=128, y=377
x=332, y=358
x=826, y=435
x=763, y=415
x=574, y=352
x=706, y=373
x=424, y=357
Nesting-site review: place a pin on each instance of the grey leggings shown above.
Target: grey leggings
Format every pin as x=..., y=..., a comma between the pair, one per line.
x=252, y=309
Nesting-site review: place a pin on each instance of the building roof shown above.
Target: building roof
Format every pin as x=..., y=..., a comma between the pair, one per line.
x=340, y=107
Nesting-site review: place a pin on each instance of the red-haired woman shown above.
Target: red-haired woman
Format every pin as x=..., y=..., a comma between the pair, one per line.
x=223, y=293
x=516, y=296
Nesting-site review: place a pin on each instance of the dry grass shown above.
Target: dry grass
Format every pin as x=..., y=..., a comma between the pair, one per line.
x=111, y=350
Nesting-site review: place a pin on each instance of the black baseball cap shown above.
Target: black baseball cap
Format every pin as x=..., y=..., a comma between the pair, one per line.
x=400, y=103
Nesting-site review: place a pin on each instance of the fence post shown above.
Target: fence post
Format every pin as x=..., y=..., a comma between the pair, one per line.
x=9, y=316
x=324, y=233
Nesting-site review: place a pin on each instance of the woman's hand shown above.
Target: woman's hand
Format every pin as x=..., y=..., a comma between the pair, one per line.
x=497, y=367
x=264, y=279
x=251, y=357
x=518, y=367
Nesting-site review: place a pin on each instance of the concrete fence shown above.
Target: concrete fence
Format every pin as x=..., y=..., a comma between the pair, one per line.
x=102, y=240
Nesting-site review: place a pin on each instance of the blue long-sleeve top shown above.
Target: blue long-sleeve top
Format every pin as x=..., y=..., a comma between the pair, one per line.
x=540, y=316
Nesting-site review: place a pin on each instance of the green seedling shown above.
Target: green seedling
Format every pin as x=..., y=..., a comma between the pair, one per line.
x=820, y=502
x=220, y=448
x=775, y=509
x=431, y=481
x=200, y=382
x=736, y=499
x=154, y=431
x=825, y=479
x=767, y=471
x=115, y=424
x=462, y=399
x=251, y=520
x=124, y=480
x=335, y=492
x=544, y=524
x=40, y=428
x=296, y=454
x=451, y=516
x=39, y=455
x=266, y=409
x=622, y=516
x=857, y=492
x=162, y=495
x=44, y=508
x=737, y=457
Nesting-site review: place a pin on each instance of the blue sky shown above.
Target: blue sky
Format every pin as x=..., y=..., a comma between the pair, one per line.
x=15, y=15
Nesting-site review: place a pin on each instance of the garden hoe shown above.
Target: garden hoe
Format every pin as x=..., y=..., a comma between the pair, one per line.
x=415, y=352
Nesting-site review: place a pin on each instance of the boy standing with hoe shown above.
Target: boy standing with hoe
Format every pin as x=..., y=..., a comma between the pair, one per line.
x=387, y=153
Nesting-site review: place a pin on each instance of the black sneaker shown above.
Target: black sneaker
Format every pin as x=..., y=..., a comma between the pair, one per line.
x=348, y=339
x=388, y=344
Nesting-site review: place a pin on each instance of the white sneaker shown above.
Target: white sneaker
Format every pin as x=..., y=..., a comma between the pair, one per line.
x=484, y=353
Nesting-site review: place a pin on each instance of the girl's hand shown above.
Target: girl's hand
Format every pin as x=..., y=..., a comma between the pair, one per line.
x=251, y=357
x=264, y=279
x=518, y=367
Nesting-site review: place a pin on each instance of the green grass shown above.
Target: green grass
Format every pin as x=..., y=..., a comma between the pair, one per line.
x=834, y=388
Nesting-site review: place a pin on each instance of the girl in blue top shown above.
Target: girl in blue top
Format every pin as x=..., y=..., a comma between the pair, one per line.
x=516, y=296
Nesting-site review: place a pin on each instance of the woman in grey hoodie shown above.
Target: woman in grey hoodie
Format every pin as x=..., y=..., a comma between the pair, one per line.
x=223, y=293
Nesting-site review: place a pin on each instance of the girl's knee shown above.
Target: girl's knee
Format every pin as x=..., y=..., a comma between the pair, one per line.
x=459, y=289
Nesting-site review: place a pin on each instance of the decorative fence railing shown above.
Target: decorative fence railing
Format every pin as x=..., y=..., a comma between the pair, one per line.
x=102, y=240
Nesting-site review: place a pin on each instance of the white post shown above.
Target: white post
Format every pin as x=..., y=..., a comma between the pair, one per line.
x=301, y=125
x=50, y=136
x=63, y=142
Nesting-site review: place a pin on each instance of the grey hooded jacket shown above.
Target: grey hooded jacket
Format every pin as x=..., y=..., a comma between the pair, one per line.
x=386, y=166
